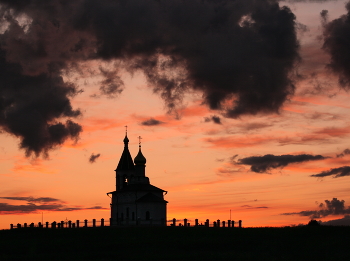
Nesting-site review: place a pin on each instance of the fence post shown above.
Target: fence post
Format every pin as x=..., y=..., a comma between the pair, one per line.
x=174, y=222
x=25, y=225
x=31, y=224
x=218, y=222
x=18, y=225
x=70, y=224
x=233, y=223
x=111, y=222
x=11, y=226
x=240, y=224
x=196, y=222
x=77, y=223
x=39, y=225
x=58, y=225
x=47, y=224
x=214, y=223
x=185, y=222
x=85, y=222
x=102, y=222
x=53, y=224
x=207, y=223
x=223, y=223
x=228, y=223
x=73, y=225
x=94, y=223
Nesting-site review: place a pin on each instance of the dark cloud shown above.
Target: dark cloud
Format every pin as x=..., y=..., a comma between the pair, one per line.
x=32, y=199
x=330, y=207
x=112, y=85
x=34, y=205
x=262, y=164
x=308, y=1
x=336, y=35
x=94, y=157
x=151, y=122
x=251, y=207
x=215, y=119
x=336, y=172
x=255, y=126
x=31, y=106
x=242, y=51
x=345, y=152
x=345, y=221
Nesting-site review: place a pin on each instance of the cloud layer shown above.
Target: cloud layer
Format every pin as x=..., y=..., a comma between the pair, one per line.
x=262, y=164
x=330, y=207
x=238, y=54
x=34, y=205
x=336, y=172
x=336, y=42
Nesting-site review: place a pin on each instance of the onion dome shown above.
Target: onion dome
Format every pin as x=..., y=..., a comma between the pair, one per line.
x=126, y=140
x=140, y=159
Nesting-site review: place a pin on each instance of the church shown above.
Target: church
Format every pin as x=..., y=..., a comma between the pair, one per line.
x=135, y=201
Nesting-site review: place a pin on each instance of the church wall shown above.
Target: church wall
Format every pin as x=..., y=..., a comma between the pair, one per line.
x=156, y=210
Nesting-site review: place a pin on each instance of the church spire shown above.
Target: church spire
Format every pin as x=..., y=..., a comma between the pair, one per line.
x=126, y=162
x=126, y=140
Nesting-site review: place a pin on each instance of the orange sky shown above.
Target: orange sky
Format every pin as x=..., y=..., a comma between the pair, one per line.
x=190, y=157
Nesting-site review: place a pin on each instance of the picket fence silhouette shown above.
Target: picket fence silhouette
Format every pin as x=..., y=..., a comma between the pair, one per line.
x=106, y=223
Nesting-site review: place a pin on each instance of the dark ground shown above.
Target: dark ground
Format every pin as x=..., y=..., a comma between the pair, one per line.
x=176, y=243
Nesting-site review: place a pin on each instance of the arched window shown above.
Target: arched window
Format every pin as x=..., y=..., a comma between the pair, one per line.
x=147, y=215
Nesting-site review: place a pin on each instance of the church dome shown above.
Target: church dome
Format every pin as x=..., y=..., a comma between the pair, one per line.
x=140, y=159
x=126, y=140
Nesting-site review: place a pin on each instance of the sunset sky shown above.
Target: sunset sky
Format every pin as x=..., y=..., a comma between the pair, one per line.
x=216, y=135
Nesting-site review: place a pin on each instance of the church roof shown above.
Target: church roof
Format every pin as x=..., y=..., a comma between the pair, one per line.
x=126, y=162
x=139, y=187
x=150, y=197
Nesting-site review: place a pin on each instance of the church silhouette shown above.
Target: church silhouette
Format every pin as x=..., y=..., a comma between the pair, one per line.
x=135, y=201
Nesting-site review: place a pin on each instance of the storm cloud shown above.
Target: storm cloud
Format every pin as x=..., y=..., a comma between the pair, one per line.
x=262, y=164
x=336, y=172
x=336, y=35
x=329, y=207
x=239, y=54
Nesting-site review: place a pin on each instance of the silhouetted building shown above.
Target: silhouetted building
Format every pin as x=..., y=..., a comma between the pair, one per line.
x=136, y=201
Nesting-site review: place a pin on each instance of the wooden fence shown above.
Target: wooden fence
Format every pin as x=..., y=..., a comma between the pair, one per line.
x=217, y=223
x=103, y=223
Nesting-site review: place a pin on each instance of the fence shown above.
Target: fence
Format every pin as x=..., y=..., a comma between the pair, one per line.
x=217, y=223
x=104, y=223
x=65, y=224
